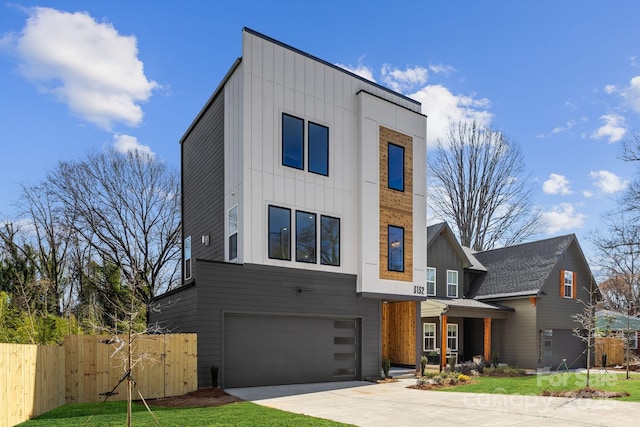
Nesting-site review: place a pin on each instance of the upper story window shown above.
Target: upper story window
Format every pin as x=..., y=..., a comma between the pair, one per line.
x=431, y=281
x=305, y=237
x=396, y=248
x=452, y=283
x=292, y=141
x=293, y=145
x=329, y=240
x=452, y=337
x=187, y=258
x=395, y=165
x=233, y=233
x=279, y=233
x=567, y=289
x=318, y=161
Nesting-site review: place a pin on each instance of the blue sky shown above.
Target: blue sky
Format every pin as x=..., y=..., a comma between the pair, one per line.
x=560, y=78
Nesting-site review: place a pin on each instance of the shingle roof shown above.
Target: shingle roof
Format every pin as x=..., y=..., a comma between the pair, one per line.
x=521, y=269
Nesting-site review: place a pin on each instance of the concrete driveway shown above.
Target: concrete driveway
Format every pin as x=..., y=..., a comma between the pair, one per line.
x=393, y=404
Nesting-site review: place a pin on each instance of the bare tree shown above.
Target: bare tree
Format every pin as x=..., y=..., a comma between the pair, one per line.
x=127, y=208
x=587, y=321
x=477, y=184
x=618, y=259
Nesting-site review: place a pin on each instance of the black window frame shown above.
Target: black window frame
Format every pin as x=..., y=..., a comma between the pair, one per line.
x=286, y=144
x=312, y=247
x=233, y=234
x=288, y=228
x=391, y=164
x=390, y=248
x=322, y=240
x=311, y=141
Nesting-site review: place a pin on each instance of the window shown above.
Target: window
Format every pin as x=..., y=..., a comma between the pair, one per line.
x=452, y=284
x=279, y=233
x=396, y=248
x=292, y=141
x=396, y=167
x=233, y=233
x=429, y=330
x=318, y=161
x=567, y=284
x=293, y=145
x=452, y=337
x=329, y=240
x=431, y=281
x=305, y=237
x=632, y=340
x=187, y=258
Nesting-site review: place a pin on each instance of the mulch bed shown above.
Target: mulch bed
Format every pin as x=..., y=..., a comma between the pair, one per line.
x=585, y=393
x=205, y=397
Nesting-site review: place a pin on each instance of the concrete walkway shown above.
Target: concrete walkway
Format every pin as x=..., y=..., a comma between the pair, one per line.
x=393, y=404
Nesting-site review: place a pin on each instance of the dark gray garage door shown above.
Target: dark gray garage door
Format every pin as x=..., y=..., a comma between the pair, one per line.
x=268, y=350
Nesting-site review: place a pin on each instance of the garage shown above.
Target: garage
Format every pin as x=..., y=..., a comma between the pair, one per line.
x=281, y=349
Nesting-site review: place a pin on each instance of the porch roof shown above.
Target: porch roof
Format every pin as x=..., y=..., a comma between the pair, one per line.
x=462, y=307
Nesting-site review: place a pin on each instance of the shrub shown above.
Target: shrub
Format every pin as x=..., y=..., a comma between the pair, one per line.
x=504, y=371
x=463, y=378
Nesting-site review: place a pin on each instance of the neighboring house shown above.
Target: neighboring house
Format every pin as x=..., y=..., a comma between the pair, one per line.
x=611, y=322
x=303, y=213
x=514, y=303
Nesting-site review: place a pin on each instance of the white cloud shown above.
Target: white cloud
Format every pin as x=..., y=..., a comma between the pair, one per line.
x=401, y=81
x=609, y=89
x=86, y=64
x=556, y=184
x=443, y=108
x=360, y=70
x=441, y=68
x=614, y=128
x=126, y=143
x=562, y=217
x=587, y=194
x=631, y=94
x=570, y=124
x=608, y=182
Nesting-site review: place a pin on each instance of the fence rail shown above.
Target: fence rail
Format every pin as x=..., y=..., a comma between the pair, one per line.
x=613, y=347
x=36, y=379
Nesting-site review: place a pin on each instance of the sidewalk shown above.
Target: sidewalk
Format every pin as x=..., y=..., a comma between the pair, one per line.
x=393, y=404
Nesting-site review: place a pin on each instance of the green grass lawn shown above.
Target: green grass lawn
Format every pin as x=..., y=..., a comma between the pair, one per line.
x=115, y=414
x=536, y=384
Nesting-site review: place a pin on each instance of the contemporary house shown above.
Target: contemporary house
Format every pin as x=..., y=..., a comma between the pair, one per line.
x=303, y=214
x=514, y=303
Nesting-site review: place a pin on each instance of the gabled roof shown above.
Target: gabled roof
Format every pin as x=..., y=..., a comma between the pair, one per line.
x=520, y=270
x=475, y=264
x=442, y=229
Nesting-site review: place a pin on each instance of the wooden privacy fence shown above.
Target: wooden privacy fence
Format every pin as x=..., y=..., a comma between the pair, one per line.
x=31, y=381
x=36, y=379
x=613, y=347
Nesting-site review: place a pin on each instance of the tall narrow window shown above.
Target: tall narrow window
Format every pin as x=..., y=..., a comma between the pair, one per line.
x=452, y=337
x=431, y=281
x=279, y=233
x=396, y=167
x=329, y=240
x=305, y=237
x=452, y=284
x=318, y=149
x=396, y=248
x=429, y=331
x=568, y=284
x=292, y=141
x=187, y=258
x=233, y=233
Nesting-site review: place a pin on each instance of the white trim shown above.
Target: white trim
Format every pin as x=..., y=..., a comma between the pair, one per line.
x=454, y=327
x=435, y=289
x=424, y=336
x=449, y=295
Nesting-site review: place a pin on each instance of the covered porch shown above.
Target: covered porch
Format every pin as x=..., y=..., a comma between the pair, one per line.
x=464, y=328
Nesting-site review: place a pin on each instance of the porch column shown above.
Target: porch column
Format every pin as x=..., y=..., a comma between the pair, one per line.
x=443, y=345
x=487, y=339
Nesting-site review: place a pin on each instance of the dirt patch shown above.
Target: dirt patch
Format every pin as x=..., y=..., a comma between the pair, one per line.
x=585, y=393
x=205, y=397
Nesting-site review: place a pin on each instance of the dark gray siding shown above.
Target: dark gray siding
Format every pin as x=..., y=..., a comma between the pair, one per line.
x=224, y=288
x=203, y=182
x=442, y=257
x=554, y=311
x=174, y=312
